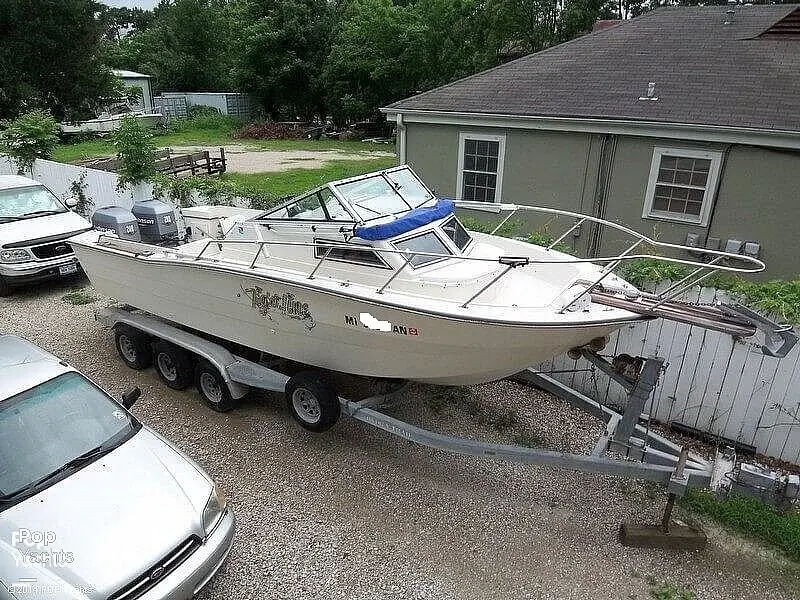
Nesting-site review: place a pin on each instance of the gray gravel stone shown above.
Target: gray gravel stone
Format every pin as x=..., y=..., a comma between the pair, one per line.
x=357, y=514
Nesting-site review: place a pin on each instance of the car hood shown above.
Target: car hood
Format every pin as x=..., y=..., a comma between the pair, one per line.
x=58, y=226
x=108, y=523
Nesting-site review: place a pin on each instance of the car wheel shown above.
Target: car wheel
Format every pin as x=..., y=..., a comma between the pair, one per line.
x=173, y=365
x=313, y=401
x=212, y=387
x=133, y=347
x=5, y=289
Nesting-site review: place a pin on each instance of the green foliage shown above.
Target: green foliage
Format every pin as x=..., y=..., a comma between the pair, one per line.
x=778, y=298
x=186, y=46
x=296, y=181
x=136, y=152
x=28, y=137
x=281, y=52
x=77, y=190
x=384, y=51
x=51, y=58
x=205, y=121
x=78, y=296
x=751, y=518
x=210, y=190
x=670, y=591
x=511, y=228
x=648, y=270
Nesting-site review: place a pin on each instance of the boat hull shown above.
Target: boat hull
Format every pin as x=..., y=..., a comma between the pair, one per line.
x=327, y=328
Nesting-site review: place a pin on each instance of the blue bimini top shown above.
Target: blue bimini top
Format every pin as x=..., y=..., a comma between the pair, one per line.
x=408, y=222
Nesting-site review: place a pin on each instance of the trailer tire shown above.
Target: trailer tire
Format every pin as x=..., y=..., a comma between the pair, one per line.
x=173, y=365
x=313, y=401
x=133, y=347
x=213, y=388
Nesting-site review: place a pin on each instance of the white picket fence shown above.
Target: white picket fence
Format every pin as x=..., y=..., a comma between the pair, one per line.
x=101, y=186
x=725, y=388
x=711, y=382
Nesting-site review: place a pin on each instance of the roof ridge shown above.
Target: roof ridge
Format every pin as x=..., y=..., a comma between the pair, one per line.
x=792, y=8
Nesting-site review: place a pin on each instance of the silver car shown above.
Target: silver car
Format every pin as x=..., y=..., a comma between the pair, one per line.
x=93, y=504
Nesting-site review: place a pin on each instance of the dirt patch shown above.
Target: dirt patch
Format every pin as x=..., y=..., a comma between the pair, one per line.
x=243, y=159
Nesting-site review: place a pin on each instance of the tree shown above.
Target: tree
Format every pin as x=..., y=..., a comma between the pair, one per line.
x=50, y=58
x=136, y=152
x=281, y=54
x=187, y=46
x=383, y=51
x=28, y=137
x=519, y=27
x=377, y=56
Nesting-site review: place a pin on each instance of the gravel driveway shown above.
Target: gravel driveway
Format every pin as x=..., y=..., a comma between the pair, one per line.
x=245, y=159
x=357, y=514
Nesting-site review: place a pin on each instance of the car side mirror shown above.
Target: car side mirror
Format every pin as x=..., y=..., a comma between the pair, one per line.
x=71, y=202
x=130, y=397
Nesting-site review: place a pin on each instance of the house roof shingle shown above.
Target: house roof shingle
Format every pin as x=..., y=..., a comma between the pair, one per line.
x=706, y=72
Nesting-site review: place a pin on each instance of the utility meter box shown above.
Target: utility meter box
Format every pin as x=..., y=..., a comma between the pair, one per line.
x=116, y=219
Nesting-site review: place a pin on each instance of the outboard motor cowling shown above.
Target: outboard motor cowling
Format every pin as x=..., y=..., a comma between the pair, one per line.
x=157, y=223
x=116, y=219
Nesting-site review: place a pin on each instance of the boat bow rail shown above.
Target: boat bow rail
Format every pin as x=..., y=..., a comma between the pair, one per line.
x=734, y=319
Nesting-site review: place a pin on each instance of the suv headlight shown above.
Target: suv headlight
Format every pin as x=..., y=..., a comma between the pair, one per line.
x=16, y=255
x=215, y=508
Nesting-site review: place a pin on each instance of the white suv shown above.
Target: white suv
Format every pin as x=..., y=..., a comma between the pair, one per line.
x=34, y=226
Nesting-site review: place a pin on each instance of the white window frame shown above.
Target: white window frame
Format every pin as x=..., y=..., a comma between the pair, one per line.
x=708, y=197
x=463, y=136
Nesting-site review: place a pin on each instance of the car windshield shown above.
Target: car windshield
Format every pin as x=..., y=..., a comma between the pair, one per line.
x=45, y=428
x=385, y=194
x=24, y=202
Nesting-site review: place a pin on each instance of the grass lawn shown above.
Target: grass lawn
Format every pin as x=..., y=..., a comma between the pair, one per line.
x=212, y=137
x=295, y=181
x=751, y=518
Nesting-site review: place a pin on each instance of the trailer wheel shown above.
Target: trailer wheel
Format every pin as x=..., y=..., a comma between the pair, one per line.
x=173, y=365
x=212, y=387
x=132, y=347
x=313, y=401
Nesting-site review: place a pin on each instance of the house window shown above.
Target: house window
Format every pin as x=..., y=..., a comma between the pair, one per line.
x=480, y=167
x=682, y=185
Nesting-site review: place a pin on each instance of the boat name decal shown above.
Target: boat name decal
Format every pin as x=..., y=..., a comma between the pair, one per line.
x=286, y=304
x=370, y=322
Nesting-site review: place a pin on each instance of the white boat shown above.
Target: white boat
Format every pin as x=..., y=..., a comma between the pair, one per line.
x=106, y=123
x=376, y=276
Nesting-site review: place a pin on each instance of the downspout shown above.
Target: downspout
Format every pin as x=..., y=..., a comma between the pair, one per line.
x=401, y=139
x=723, y=163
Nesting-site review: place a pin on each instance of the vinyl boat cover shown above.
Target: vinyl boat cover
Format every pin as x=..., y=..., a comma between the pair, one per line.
x=408, y=222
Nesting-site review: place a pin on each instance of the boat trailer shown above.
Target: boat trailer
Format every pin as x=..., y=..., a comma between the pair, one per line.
x=627, y=448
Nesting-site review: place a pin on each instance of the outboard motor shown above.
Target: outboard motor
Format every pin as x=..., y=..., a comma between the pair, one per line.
x=157, y=224
x=116, y=219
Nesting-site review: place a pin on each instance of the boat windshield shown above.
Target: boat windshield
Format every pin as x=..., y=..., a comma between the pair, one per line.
x=385, y=193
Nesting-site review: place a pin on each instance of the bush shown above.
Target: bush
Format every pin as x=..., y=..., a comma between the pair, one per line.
x=204, y=117
x=136, y=152
x=30, y=136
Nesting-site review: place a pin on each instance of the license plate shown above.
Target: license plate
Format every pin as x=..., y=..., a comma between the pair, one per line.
x=68, y=269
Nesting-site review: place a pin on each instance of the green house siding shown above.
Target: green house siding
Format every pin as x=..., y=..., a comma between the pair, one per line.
x=758, y=192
